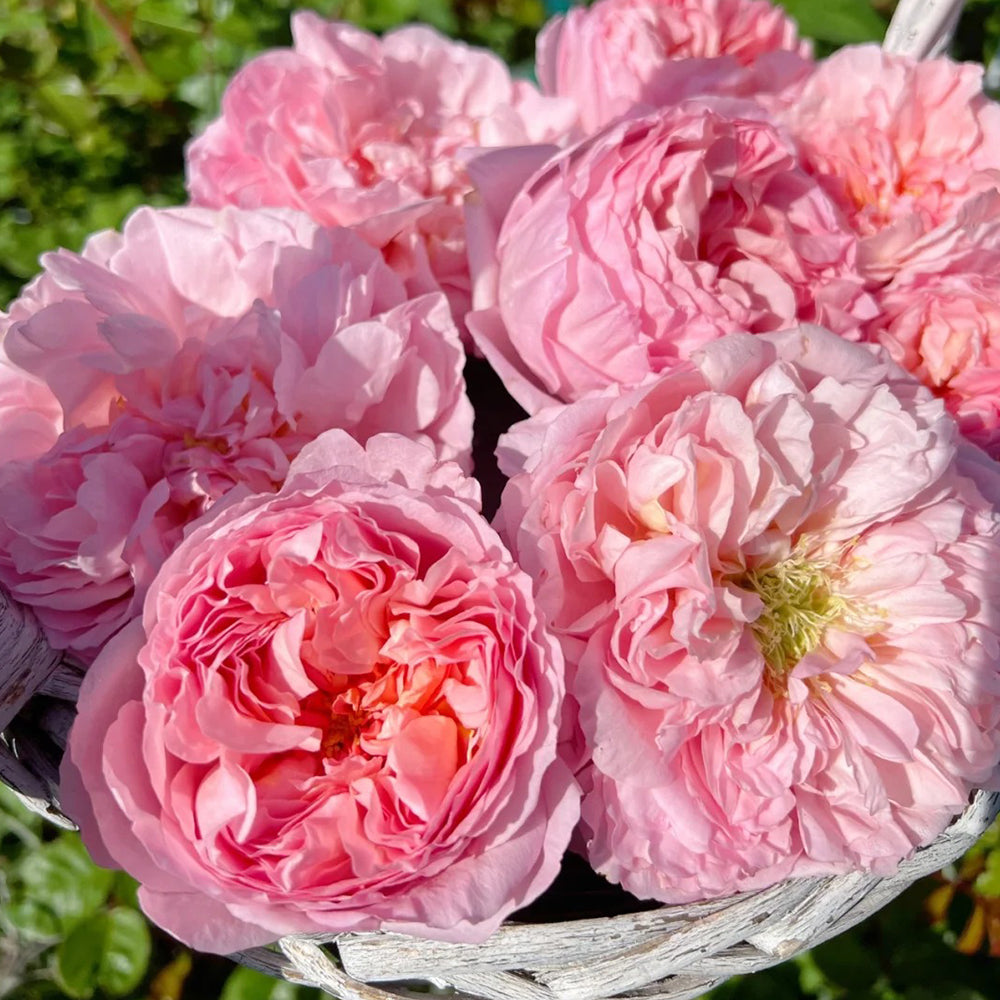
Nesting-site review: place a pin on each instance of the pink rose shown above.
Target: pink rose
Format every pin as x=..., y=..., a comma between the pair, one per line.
x=940, y=317
x=339, y=712
x=193, y=352
x=773, y=573
x=899, y=144
x=30, y=416
x=622, y=255
x=617, y=54
x=347, y=126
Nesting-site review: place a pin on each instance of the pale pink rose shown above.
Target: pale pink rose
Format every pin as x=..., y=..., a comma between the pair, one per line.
x=617, y=54
x=347, y=126
x=193, y=352
x=773, y=573
x=899, y=144
x=622, y=255
x=339, y=712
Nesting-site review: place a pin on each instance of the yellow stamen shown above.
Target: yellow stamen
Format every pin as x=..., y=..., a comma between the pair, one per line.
x=799, y=605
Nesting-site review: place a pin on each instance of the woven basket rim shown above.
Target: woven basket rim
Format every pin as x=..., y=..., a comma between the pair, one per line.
x=669, y=953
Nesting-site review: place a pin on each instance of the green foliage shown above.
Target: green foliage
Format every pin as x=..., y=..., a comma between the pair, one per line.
x=838, y=22
x=108, y=952
x=54, y=887
x=20, y=830
x=985, y=856
x=988, y=880
x=98, y=98
x=68, y=927
x=246, y=984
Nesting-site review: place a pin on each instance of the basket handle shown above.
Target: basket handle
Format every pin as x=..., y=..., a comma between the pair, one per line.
x=29, y=748
x=922, y=28
x=28, y=660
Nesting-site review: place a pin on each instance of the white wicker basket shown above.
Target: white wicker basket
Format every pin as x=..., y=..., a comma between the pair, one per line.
x=670, y=953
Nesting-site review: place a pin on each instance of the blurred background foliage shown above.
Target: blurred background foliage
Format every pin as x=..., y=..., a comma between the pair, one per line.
x=97, y=100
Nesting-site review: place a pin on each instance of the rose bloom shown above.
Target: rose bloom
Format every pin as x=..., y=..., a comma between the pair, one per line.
x=346, y=126
x=899, y=144
x=192, y=352
x=339, y=712
x=30, y=416
x=622, y=255
x=773, y=573
x=617, y=54
x=940, y=318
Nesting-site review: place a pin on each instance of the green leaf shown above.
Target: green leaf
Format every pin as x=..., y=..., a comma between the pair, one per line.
x=125, y=956
x=812, y=980
x=125, y=890
x=839, y=22
x=33, y=920
x=110, y=952
x=65, y=103
x=173, y=62
x=248, y=984
x=169, y=15
x=62, y=877
x=78, y=958
x=988, y=881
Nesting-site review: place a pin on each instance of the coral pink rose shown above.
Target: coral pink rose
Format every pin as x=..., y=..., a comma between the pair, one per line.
x=773, y=572
x=946, y=331
x=193, y=352
x=347, y=126
x=899, y=144
x=622, y=255
x=339, y=712
x=617, y=54
x=940, y=317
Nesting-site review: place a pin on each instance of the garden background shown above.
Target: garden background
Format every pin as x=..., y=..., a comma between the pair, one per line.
x=97, y=99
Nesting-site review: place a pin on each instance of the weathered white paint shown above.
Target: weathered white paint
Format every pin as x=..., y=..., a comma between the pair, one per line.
x=923, y=28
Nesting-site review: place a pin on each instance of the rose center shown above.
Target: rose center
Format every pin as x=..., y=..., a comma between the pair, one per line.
x=361, y=716
x=343, y=733
x=799, y=605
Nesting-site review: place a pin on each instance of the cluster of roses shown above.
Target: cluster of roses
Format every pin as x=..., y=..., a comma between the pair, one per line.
x=738, y=617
